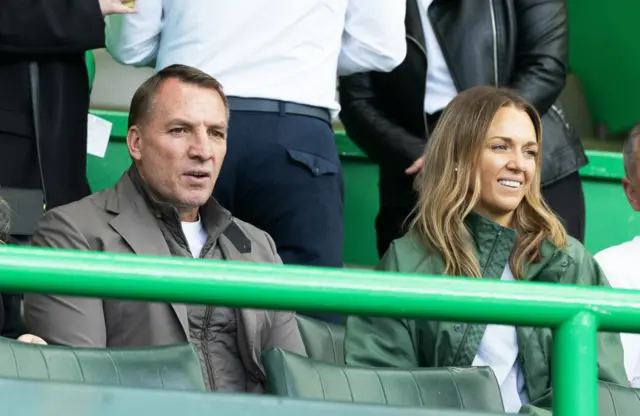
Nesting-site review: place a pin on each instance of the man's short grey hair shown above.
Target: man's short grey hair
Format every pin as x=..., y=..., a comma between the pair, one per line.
x=629, y=152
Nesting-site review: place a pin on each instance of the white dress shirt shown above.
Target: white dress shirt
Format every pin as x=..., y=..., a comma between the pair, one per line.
x=499, y=350
x=288, y=50
x=621, y=266
x=440, y=87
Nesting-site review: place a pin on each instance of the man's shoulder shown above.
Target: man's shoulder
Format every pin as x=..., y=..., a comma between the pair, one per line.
x=87, y=212
x=620, y=252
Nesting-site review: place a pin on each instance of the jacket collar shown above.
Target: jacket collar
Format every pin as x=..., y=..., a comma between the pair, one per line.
x=492, y=239
x=215, y=218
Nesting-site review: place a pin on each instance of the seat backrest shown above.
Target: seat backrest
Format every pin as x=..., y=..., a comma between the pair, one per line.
x=615, y=400
x=172, y=367
x=323, y=341
x=473, y=389
x=38, y=398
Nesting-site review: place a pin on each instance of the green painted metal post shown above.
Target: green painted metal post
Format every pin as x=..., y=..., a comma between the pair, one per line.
x=575, y=367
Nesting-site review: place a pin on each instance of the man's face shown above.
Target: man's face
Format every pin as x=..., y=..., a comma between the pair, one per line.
x=631, y=184
x=180, y=146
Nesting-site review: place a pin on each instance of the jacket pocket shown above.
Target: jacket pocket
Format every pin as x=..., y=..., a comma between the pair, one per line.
x=317, y=165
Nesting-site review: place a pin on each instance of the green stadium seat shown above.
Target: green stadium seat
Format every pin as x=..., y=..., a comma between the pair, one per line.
x=323, y=341
x=171, y=367
x=26, y=398
x=615, y=400
x=471, y=389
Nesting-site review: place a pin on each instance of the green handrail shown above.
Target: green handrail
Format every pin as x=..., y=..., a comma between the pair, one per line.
x=575, y=312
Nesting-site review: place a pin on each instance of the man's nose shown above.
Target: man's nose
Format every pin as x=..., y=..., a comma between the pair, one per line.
x=201, y=145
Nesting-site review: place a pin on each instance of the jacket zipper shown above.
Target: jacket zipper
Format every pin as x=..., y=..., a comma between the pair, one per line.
x=208, y=312
x=466, y=331
x=560, y=114
x=424, y=52
x=494, y=29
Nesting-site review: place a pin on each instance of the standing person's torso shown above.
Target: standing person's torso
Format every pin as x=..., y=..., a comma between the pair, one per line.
x=286, y=49
x=478, y=55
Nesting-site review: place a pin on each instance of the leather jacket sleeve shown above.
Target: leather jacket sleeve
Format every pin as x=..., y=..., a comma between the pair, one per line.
x=383, y=140
x=542, y=51
x=50, y=26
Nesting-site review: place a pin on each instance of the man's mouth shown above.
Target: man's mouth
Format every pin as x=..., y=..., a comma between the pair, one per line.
x=198, y=174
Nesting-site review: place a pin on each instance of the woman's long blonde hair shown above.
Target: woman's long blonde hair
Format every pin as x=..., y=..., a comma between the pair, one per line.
x=450, y=171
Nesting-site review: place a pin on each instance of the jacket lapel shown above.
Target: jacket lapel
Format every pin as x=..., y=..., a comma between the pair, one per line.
x=139, y=229
x=235, y=246
x=413, y=23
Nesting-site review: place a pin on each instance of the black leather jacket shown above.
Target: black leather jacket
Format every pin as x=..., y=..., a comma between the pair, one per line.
x=520, y=44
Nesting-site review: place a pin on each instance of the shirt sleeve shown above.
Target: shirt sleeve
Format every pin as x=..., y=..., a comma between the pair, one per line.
x=134, y=39
x=373, y=37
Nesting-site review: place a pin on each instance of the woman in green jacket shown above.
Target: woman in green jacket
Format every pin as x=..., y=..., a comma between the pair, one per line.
x=480, y=215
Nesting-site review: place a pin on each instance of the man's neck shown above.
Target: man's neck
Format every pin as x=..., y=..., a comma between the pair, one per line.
x=188, y=214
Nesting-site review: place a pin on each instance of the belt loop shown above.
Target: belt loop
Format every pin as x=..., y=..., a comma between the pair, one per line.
x=281, y=108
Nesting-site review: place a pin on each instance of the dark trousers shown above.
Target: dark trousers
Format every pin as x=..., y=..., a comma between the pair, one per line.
x=282, y=174
x=565, y=197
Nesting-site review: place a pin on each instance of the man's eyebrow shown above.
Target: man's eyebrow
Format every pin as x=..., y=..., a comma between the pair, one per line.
x=179, y=121
x=218, y=126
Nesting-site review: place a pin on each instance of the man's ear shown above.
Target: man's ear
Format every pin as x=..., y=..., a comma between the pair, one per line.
x=632, y=195
x=134, y=142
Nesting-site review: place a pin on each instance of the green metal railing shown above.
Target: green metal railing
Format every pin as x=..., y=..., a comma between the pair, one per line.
x=575, y=312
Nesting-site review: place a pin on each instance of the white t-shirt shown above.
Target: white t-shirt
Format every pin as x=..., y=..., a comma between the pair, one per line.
x=621, y=266
x=499, y=350
x=196, y=236
x=440, y=87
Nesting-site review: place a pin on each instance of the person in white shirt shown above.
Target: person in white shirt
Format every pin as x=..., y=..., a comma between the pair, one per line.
x=620, y=263
x=277, y=61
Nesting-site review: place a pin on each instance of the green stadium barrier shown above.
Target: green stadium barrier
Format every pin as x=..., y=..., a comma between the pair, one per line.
x=575, y=312
x=610, y=220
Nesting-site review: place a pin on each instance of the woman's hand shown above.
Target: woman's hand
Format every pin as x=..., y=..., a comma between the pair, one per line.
x=117, y=7
x=31, y=339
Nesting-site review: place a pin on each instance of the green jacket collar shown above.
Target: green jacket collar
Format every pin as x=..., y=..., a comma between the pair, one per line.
x=494, y=244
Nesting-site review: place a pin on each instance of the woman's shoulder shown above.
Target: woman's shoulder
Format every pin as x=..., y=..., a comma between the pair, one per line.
x=409, y=255
x=576, y=250
x=583, y=268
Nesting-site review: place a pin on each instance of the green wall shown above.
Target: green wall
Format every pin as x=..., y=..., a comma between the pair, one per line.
x=605, y=55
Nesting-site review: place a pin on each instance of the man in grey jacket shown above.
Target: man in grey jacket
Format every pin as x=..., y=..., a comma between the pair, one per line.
x=163, y=206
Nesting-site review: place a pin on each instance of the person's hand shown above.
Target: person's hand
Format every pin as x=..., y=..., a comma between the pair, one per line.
x=415, y=167
x=31, y=339
x=117, y=7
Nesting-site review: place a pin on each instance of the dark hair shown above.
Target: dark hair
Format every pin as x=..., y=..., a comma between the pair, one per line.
x=629, y=150
x=143, y=99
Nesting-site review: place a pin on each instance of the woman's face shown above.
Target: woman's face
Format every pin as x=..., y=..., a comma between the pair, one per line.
x=507, y=165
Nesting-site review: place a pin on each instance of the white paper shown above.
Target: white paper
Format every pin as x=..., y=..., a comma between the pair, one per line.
x=98, y=134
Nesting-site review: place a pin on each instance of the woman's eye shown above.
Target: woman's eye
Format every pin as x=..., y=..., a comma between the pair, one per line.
x=532, y=153
x=499, y=147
